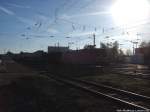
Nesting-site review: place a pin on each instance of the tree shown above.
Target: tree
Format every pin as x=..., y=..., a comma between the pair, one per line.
x=128, y=52
x=115, y=51
x=121, y=53
x=103, y=45
x=143, y=44
x=114, y=54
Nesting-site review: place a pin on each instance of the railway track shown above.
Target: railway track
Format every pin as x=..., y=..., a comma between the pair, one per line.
x=127, y=99
x=139, y=71
x=143, y=74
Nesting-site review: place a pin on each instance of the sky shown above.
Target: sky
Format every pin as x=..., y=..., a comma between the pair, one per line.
x=30, y=25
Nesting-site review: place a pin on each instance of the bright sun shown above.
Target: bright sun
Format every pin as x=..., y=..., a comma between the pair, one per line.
x=126, y=12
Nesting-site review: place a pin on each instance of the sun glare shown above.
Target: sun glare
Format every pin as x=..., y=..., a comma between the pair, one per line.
x=126, y=12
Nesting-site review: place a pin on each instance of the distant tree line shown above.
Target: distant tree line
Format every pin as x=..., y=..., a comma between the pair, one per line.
x=114, y=54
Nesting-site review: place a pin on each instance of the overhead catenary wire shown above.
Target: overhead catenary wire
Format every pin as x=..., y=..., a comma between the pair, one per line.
x=75, y=24
x=104, y=30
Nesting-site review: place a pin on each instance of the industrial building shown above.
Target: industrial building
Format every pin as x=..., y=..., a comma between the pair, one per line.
x=61, y=49
x=84, y=56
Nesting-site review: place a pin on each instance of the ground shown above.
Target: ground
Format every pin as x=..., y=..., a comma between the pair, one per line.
x=133, y=83
x=25, y=90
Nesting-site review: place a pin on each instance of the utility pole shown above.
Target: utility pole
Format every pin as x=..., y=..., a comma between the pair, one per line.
x=133, y=48
x=135, y=44
x=94, y=40
x=108, y=44
x=58, y=44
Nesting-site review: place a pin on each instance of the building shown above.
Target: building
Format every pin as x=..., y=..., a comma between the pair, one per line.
x=138, y=58
x=85, y=56
x=39, y=53
x=143, y=50
x=141, y=55
x=62, y=49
